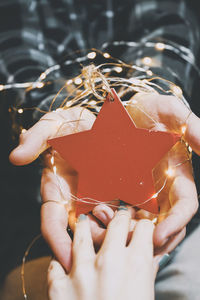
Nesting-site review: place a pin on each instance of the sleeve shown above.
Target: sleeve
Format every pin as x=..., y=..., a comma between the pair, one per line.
x=164, y=36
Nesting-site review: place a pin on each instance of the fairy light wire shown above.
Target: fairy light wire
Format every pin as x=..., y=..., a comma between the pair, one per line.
x=95, y=81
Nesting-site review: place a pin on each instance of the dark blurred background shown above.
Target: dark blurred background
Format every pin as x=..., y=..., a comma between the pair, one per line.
x=20, y=197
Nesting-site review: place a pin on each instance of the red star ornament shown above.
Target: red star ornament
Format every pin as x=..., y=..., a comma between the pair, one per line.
x=114, y=159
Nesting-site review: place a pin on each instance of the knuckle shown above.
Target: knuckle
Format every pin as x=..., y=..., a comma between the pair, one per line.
x=121, y=216
x=145, y=224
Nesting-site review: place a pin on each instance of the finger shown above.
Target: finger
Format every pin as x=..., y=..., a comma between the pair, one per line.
x=169, y=113
x=172, y=243
x=55, y=271
x=142, y=238
x=35, y=141
x=104, y=213
x=117, y=231
x=83, y=250
x=98, y=233
x=183, y=195
x=58, y=281
x=54, y=220
x=192, y=133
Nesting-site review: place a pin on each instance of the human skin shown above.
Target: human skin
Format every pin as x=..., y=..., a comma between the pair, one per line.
x=170, y=114
x=118, y=271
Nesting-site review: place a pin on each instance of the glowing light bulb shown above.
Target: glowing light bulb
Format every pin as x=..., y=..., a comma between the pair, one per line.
x=155, y=196
x=106, y=55
x=118, y=69
x=93, y=102
x=40, y=85
x=160, y=46
x=189, y=149
x=77, y=80
x=69, y=81
x=52, y=160
x=43, y=76
x=91, y=55
x=147, y=60
x=183, y=129
x=149, y=72
x=23, y=130
x=170, y=172
x=154, y=221
x=20, y=111
x=69, y=103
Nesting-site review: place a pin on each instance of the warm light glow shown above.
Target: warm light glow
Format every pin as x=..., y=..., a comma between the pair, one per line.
x=40, y=85
x=183, y=129
x=43, y=76
x=23, y=130
x=69, y=103
x=106, y=55
x=189, y=149
x=69, y=81
x=77, y=80
x=177, y=90
x=1, y=87
x=93, y=102
x=155, y=196
x=154, y=221
x=91, y=55
x=118, y=69
x=52, y=160
x=160, y=46
x=20, y=111
x=170, y=172
x=149, y=72
x=147, y=60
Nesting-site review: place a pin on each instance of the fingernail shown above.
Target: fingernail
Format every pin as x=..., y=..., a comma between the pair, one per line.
x=101, y=216
x=164, y=260
x=122, y=206
x=81, y=217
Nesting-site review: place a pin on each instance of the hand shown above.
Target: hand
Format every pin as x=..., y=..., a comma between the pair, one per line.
x=116, y=272
x=54, y=216
x=180, y=194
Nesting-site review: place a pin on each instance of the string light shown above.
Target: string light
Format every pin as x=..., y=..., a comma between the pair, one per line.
x=160, y=46
x=106, y=55
x=154, y=196
x=69, y=82
x=147, y=61
x=149, y=73
x=118, y=69
x=91, y=55
x=69, y=103
x=23, y=130
x=78, y=81
x=20, y=111
x=133, y=83
x=43, y=76
x=183, y=129
x=39, y=85
x=170, y=172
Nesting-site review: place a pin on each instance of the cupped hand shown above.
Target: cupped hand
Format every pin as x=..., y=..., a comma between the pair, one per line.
x=178, y=200
x=56, y=189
